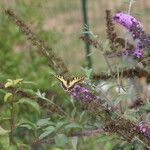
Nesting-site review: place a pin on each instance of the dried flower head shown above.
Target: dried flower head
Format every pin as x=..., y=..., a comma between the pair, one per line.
x=55, y=62
x=110, y=29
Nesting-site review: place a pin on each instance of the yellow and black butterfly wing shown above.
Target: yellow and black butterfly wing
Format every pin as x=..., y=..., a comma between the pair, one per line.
x=67, y=84
x=63, y=81
x=74, y=81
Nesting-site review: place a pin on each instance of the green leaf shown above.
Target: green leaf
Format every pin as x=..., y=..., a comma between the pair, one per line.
x=7, y=96
x=59, y=124
x=73, y=112
x=31, y=103
x=120, y=98
x=73, y=125
x=87, y=72
x=81, y=116
x=145, y=107
x=26, y=124
x=130, y=114
x=61, y=140
x=49, y=128
x=30, y=91
x=53, y=83
x=44, y=122
x=48, y=131
x=74, y=142
x=3, y=131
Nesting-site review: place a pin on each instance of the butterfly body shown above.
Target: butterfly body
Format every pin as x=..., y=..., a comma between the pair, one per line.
x=69, y=84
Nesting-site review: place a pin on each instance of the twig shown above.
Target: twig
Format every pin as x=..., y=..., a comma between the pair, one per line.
x=55, y=62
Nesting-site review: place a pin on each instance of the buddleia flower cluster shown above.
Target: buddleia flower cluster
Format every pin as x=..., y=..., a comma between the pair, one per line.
x=134, y=27
x=82, y=93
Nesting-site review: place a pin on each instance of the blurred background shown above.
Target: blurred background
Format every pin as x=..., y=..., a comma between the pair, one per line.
x=59, y=23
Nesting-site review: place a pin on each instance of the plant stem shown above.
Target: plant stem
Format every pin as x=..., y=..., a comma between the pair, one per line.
x=11, y=124
x=85, y=22
x=11, y=121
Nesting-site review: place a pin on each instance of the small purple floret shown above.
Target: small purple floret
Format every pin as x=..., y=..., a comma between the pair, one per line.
x=143, y=129
x=137, y=53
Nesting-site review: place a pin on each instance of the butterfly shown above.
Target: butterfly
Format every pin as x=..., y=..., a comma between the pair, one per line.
x=69, y=84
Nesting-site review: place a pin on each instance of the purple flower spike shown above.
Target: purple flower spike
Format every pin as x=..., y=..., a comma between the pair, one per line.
x=135, y=29
x=143, y=129
x=125, y=20
x=81, y=93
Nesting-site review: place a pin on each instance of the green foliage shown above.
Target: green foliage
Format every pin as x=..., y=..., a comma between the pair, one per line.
x=29, y=118
x=46, y=132
x=30, y=103
x=61, y=140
